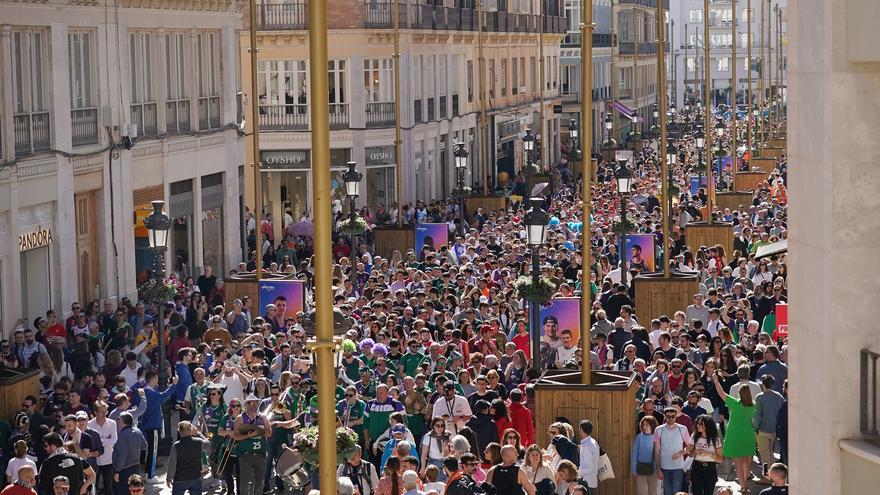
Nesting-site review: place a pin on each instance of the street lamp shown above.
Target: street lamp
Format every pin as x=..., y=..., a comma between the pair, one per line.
x=573, y=136
x=158, y=224
x=634, y=131
x=529, y=148
x=535, y=221
x=655, y=128
x=609, y=129
x=461, y=156
x=624, y=182
x=671, y=153
x=352, y=179
x=719, y=128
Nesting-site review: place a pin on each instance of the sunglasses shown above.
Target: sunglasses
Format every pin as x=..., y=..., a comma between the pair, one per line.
x=510, y=437
x=349, y=395
x=236, y=406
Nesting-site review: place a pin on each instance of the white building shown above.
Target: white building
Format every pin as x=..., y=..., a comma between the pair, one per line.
x=78, y=82
x=688, y=63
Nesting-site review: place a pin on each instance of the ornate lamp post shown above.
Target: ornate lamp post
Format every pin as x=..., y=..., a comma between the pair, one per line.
x=461, y=156
x=624, y=181
x=158, y=224
x=573, y=137
x=352, y=179
x=609, y=142
x=655, y=128
x=529, y=149
x=535, y=221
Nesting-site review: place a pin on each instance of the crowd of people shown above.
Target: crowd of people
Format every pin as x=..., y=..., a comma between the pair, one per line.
x=436, y=374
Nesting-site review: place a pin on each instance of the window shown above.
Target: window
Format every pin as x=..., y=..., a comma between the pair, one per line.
x=746, y=64
x=745, y=15
x=141, y=62
x=177, y=106
x=337, y=80
x=283, y=94
x=744, y=40
x=532, y=63
x=30, y=119
x=503, y=77
x=470, y=81
x=723, y=64
x=691, y=64
x=696, y=15
x=695, y=40
x=208, y=63
x=379, y=80
x=514, y=89
x=554, y=72
x=522, y=74
x=721, y=40
x=491, y=78
x=81, y=55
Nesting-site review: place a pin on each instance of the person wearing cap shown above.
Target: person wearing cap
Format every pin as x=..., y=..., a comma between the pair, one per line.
x=453, y=408
x=84, y=443
x=251, y=446
x=671, y=442
x=398, y=436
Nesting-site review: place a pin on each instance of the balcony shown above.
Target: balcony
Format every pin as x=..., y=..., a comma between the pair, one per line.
x=84, y=126
x=293, y=117
x=379, y=114
x=338, y=115
x=145, y=116
x=209, y=112
x=379, y=14
x=293, y=15
x=31, y=132
x=629, y=48
x=177, y=116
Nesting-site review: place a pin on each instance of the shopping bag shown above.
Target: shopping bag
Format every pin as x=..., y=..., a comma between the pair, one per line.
x=606, y=472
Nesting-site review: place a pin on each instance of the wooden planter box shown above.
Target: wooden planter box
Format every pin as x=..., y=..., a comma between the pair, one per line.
x=388, y=239
x=703, y=234
x=762, y=164
x=15, y=385
x=487, y=203
x=609, y=402
x=733, y=200
x=748, y=181
x=657, y=296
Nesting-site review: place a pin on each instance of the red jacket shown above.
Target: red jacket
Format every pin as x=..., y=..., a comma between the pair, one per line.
x=521, y=421
x=502, y=423
x=17, y=490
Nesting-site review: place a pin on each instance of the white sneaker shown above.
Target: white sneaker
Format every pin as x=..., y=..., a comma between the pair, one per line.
x=154, y=480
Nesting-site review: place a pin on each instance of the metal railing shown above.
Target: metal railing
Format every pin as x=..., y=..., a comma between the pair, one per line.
x=868, y=396
x=209, y=112
x=144, y=115
x=31, y=132
x=292, y=15
x=378, y=14
x=84, y=126
x=284, y=117
x=338, y=115
x=177, y=116
x=379, y=114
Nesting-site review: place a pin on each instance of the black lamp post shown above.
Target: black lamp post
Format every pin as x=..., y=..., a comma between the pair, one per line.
x=529, y=148
x=535, y=221
x=609, y=142
x=461, y=156
x=655, y=128
x=573, y=138
x=352, y=179
x=158, y=224
x=624, y=181
x=634, y=133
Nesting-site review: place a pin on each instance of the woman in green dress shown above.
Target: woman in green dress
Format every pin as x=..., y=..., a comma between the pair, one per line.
x=739, y=443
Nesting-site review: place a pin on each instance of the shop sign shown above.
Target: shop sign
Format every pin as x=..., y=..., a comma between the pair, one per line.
x=35, y=239
x=380, y=155
x=285, y=159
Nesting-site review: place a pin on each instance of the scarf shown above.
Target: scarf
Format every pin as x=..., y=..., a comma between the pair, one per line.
x=23, y=484
x=452, y=479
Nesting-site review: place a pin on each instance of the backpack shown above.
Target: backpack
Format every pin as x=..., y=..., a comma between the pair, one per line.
x=567, y=449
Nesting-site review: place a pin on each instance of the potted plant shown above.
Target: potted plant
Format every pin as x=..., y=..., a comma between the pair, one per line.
x=157, y=291
x=306, y=442
x=353, y=227
x=622, y=227
x=539, y=292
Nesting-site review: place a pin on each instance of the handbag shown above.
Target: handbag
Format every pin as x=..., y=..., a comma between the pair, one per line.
x=606, y=472
x=645, y=468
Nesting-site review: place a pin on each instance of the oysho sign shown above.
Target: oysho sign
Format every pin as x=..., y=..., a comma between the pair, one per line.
x=36, y=239
x=380, y=155
x=285, y=159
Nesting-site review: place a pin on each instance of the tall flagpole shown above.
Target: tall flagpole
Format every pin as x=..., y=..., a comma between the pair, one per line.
x=255, y=142
x=544, y=134
x=324, y=346
x=664, y=163
x=708, y=131
x=484, y=122
x=734, y=84
x=586, y=191
x=397, y=172
x=749, y=90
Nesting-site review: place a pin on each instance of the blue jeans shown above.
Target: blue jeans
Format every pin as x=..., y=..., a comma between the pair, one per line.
x=194, y=487
x=672, y=479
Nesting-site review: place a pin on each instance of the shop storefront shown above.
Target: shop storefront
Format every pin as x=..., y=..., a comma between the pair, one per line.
x=381, y=179
x=182, y=239
x=34, y=247
x=212, y=223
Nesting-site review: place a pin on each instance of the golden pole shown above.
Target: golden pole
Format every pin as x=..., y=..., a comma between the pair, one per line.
x=320, y=110
x=613, y=79
x=484, y=122
x=769, y=69
x=763, y=104
x=397, y=171
x=544, y=133
x=635, y=86
x=707, y=129
x=255, y=142
x=779, y=115
x=587, y=27
x=734, y=84
x=664, y=163
x=749, y=90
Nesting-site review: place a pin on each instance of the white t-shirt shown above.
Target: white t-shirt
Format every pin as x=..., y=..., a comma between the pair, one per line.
x=458, y=406
x=130, y=375
x=234, y=388
x=16, y=463
x=701, y=446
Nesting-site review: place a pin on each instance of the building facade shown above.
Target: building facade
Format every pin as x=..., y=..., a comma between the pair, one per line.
x=689, y=69
x=104, y=109
x=439, y=95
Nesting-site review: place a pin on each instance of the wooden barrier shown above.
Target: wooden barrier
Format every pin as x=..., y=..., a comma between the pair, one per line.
x=763, y=164
x=778, y=142
x=698, y=234
x=245, y=284
x=15, y=385
x=771, y=152
x=749, y=181
x=609, y=402
x=733, y=200
x=487, y=203
x=657, y=296
x=388, y=239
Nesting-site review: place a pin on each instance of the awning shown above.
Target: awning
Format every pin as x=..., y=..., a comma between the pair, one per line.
x=771, y=249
